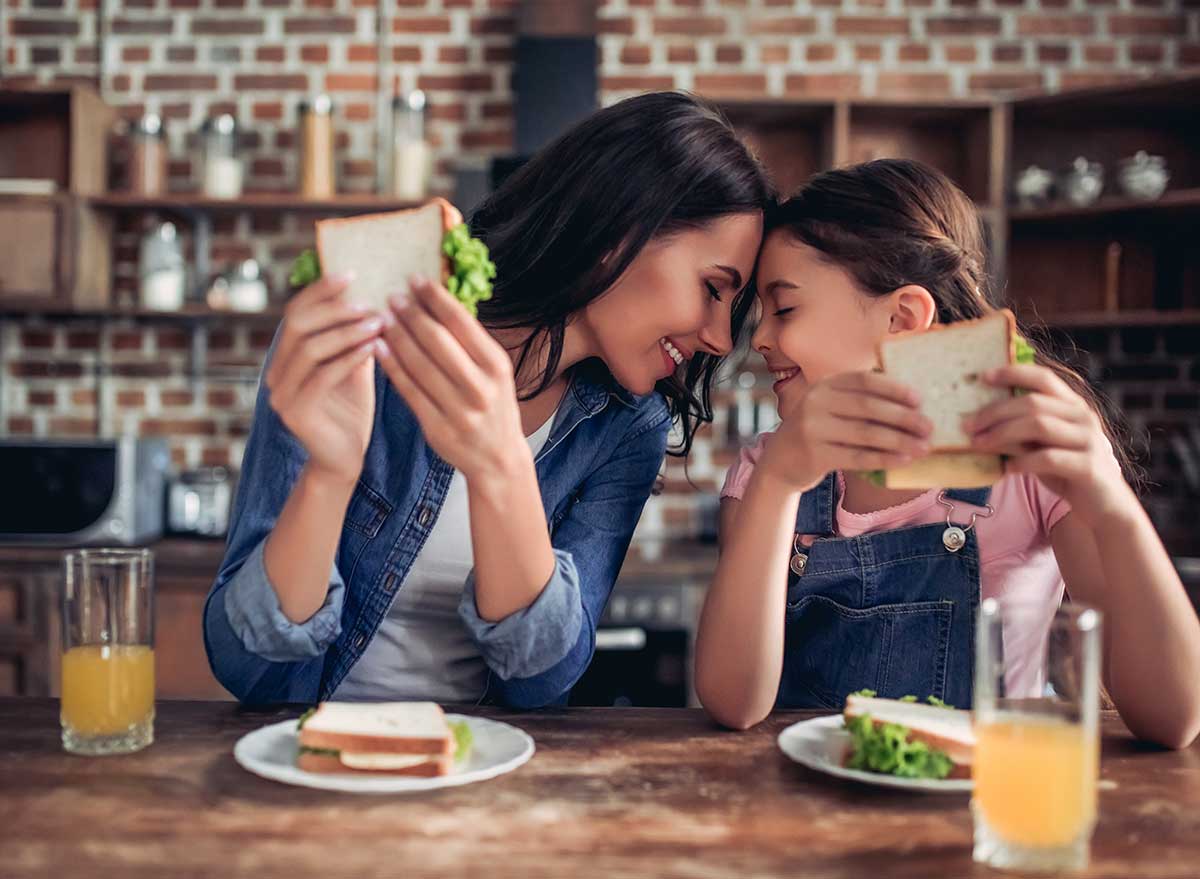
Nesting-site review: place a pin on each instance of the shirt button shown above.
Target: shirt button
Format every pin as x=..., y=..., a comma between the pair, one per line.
x=390, y=584
x=425, y=518
x=360, y=641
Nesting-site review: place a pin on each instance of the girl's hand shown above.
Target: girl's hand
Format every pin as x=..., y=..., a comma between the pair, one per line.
x=855, y=421
x=321, y=377
x=456, y=378
x=1053, y=433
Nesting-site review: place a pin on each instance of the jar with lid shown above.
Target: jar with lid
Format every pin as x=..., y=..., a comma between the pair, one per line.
x=161, y=269
x=247, y=290
x=222, y=167
x=316, y=148
x=148, y=157
x=411, y=156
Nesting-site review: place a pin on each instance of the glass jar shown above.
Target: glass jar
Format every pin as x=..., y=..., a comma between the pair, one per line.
x=247, y=290
x=162, y=273
x=316, y=148
x=148, y=157
x=222, y=167
x=411, y=156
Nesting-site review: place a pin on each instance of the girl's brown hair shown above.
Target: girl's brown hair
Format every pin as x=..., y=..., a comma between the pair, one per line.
x=895, y=222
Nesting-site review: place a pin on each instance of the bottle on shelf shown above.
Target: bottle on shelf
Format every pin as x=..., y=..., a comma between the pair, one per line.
x=317, y=179
x=411, y=156
x=147, y=157
x=222, y=166
x=161, y=270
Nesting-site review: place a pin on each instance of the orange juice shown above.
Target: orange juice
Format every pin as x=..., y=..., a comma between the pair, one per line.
x=1035, y=779
x=107, y=690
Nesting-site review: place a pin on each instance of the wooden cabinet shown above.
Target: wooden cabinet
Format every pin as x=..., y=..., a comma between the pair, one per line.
x=30, y=621
x=56, y=248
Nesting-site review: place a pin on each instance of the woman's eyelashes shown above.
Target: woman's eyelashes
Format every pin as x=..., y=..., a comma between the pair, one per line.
x=780, y=312
x=712, y=290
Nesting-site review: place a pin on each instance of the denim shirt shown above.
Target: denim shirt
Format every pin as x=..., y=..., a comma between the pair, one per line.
x=595, y=473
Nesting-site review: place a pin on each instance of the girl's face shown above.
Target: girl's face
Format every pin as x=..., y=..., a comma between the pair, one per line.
x=815, y=321
x=673, y=301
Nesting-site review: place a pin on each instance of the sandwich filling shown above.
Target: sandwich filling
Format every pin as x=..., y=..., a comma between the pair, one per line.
x=463, y=741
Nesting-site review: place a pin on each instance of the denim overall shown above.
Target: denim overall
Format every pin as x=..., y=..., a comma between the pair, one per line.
x=892, y=611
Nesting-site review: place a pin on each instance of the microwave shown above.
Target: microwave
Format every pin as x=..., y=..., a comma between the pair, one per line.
x=94, y=492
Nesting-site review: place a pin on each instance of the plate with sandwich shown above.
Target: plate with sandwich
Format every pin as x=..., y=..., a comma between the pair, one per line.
x=384, y=747
x=946, y=363
x=384, y=250
x=890, y=742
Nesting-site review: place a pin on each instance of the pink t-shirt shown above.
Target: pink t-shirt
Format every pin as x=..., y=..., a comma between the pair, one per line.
x=1016, y=560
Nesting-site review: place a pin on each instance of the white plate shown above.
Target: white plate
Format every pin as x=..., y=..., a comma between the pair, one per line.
x=821, y=742
x=271, y=752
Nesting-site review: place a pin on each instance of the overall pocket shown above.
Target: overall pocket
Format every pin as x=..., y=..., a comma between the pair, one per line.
x=831, y=650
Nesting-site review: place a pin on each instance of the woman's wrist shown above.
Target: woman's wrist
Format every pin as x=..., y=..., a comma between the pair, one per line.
x=327, y=485
x=495, y=474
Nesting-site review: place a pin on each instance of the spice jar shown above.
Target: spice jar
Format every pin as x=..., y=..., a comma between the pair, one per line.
x=222, y=167
x=316, y=148
x=411, y=154
x=148, y=157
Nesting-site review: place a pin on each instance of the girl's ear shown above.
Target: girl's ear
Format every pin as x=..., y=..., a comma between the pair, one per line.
x=912, y=308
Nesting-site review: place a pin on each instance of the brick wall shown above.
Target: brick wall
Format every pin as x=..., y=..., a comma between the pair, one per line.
x=188, y=59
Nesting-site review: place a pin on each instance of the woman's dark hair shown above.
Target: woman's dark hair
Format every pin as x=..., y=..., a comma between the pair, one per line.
x=894, y=222
x=566, y=225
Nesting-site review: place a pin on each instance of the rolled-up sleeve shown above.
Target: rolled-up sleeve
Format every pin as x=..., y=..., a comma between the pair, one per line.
x=538, y=654
x=253, y=611
x=533, y=639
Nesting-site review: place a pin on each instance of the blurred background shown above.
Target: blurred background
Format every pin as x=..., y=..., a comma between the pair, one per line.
x=162, y=163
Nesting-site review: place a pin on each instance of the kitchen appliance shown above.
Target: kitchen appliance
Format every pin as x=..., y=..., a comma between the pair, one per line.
x=198, y=502
x=83, y=492
x=644, y=646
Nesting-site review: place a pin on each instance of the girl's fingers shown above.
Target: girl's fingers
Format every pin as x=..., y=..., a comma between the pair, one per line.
x=847, y=457
x=469, y=332
x=1023, y=406
x=877, y=384
x=867, y=435
x=439, y=346
x=1029, y=377
x=423, y=372
x=868, y=407
x=425, y=410
x=1046, y=462
x=1045, y=431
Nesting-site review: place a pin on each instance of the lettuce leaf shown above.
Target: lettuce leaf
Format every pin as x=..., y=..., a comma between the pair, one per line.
x=305, y=269
x=471, y=269
x=304, y=718
x=886, y=747
x=463, y=738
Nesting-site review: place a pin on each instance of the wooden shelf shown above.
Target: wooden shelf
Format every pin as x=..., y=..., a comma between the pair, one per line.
x=190, y=313
x=1139, y=318
x=253, y=201
x=1179, y=200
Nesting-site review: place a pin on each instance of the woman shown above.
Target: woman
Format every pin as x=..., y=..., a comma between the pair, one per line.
x=449, y=525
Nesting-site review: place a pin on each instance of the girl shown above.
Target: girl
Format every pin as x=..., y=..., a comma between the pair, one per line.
x=859, y=253
x=434, y=507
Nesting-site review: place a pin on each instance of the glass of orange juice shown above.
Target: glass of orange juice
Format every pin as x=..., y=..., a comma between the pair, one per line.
x=108, y=651
x=1037, y=741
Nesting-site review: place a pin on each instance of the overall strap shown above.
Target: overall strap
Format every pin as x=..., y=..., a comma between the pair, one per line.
x=818, y=507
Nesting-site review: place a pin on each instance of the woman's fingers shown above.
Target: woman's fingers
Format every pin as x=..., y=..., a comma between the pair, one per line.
x=319, y=349
x=423, y=407
x=425, y=374
x=432, y=341
x=333, y=372
x=315, y=308
x=469, y=332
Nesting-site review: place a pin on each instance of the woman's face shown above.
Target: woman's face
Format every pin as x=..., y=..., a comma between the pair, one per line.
x=673, y=301
x=815, y=322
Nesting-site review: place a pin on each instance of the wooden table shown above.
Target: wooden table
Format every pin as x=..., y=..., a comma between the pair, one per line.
x=610, y=793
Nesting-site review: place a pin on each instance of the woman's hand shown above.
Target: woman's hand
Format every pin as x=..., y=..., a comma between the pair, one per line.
x=321, y=377
x=1053, y=433
x=457, y=380
x=855, y=421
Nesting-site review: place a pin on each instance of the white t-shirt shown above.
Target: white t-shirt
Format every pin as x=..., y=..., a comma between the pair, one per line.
x=422, y=650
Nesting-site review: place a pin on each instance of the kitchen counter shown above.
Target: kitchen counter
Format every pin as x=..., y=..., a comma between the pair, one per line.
x=610, y=792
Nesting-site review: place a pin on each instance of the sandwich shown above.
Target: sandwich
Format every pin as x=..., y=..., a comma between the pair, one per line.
x=386, y=738
x=907, y=738
x=946, y=363
x=385, y=250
